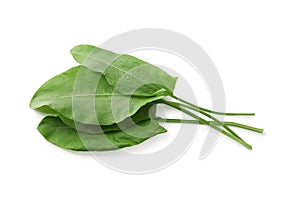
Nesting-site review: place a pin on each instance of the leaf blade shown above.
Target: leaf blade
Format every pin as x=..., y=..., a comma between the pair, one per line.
x=144, y=113
x=59, y=134
x=126, y=69
x=85, y=96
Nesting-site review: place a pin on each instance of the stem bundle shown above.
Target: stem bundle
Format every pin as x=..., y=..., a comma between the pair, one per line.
x=222, y=127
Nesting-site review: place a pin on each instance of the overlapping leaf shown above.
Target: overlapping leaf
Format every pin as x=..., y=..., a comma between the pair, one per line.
x=74, y=95
x=58, y=133
x=144, y=113
x=130, y=74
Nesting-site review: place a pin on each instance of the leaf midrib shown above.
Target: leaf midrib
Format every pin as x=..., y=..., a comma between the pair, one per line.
x=86, y=95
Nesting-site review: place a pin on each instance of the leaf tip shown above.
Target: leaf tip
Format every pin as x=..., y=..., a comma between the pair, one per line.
x=80, y=52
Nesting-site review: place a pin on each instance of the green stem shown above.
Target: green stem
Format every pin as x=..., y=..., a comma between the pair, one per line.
x=201, y=120
x=211, y=111
x=213, y=118
x=188, y=121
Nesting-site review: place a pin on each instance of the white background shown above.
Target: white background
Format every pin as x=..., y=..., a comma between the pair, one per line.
x=255, y=46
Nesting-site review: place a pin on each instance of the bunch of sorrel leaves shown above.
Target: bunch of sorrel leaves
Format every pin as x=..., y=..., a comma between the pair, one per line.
x=109, y=102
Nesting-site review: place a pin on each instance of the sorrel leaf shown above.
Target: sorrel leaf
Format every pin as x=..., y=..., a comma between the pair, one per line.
x=84, y=102
x=130, y=74
x=144, y=113
x=56, y=132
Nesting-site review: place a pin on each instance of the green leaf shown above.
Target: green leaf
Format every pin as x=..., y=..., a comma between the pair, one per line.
x=56, y=132
x=130, y=74
x=85, y=96
x=144, y=113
